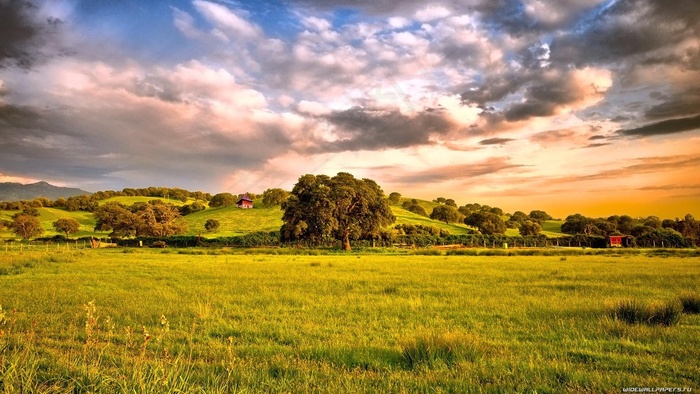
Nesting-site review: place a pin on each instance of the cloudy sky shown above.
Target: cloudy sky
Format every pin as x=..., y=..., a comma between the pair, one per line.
x=589, y=106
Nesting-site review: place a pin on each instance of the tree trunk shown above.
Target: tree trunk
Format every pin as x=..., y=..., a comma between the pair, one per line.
x=346, y=240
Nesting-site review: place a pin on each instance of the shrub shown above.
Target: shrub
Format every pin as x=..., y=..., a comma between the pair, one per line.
x=690, y=303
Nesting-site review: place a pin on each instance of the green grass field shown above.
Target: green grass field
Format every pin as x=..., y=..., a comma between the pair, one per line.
x=215, y=321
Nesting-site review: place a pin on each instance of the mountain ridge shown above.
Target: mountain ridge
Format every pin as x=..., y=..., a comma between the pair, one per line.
x=12, y=191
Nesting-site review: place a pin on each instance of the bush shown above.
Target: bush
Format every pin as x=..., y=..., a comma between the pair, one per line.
x=690, y=303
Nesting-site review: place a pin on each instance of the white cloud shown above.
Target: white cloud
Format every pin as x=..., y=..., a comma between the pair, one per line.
x=317, y=24
x=398, y=22
x=431, y=13
x=313, y=108
x=227, y=20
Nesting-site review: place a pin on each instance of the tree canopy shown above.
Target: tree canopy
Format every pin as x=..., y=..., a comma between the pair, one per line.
x=530, y=228
x=274, y=196
x=141, y=219
x=488, y=223
x=222, y=200
x=447, y=214
x=212, y=225
x=26, y=226
x=67, y=226
x=341, y=208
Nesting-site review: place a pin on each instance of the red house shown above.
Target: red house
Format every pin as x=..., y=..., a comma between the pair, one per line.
x=245, y=202
x=618, y=241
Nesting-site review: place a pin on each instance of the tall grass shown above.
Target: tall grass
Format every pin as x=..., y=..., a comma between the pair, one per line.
x=690, y=302
x=435, y=350
x=637, y=312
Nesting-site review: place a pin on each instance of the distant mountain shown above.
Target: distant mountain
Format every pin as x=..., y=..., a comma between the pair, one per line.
x=17, y=191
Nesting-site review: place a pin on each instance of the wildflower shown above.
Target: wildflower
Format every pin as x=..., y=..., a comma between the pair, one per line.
x=146, y=334
x=164, y=323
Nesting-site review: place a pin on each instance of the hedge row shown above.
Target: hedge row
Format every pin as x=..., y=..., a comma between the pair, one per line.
x=271, y=239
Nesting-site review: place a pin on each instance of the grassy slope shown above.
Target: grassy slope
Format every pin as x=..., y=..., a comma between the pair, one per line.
x=406, y=217
x=135, y=199
x=235, y=221
x=340, y=323
x=550, y=228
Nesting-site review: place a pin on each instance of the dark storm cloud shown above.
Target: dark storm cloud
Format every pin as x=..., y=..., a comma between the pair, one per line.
x=496, y=141
x=372, y=129
x=544, y=96
x=13, y=116
x=21, y=34
x=679, y=104
x=457, y=172
x=665, y=127
x=494, y=88
x=608, y=35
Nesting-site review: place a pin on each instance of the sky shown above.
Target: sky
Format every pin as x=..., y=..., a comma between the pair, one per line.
x=570, y=106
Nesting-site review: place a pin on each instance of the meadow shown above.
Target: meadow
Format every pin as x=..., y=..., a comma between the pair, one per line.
x=228, y=321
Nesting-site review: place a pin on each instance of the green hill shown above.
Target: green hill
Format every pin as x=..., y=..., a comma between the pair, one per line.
x=49, y=215
x=235, y=221
x=406, y=217
x=133, y=200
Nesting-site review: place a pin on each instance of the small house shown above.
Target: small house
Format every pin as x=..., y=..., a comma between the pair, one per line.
x=618, y=241
x=245, y=202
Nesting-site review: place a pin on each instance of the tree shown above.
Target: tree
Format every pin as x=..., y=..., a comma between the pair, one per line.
x=530, y=228
x=487, y=223
x=81, y=203
x=31, y=211
x=539, y=216
x=447, y=214
x=579, y=224
x=192, y=208
x=26, y=226
x=395, y=198
x=451, y=202
x=117, y=218
x=212, y=225
x=154, y=218
x=519, y=216
x=67, y=226
x=222, y=200
x=342, y=208
x=274, y=197
x=413, y=206
x=440, y=200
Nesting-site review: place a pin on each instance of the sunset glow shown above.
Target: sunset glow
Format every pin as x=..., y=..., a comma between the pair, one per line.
x=588, y=107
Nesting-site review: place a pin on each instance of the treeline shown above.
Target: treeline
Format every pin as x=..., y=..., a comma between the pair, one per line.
x=646, y=232
x=272, y=239
x=90, y=203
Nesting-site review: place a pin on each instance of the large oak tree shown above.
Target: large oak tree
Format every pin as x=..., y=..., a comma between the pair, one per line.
x=26, y=226
x=321, y=208
x=67, y=226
